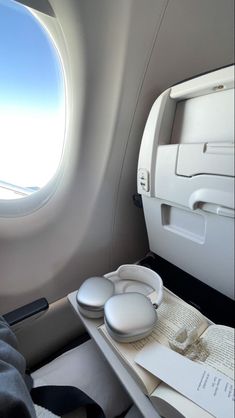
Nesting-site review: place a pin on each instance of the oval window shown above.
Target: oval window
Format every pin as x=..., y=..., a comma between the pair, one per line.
x=32, y=103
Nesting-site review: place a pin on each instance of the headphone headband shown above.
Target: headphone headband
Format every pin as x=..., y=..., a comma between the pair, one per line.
x=141, y=274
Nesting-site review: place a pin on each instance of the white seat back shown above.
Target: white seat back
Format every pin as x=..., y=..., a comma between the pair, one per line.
x=186, y=177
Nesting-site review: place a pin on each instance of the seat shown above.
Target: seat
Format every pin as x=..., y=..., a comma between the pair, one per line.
x=186, y=178
x=85, y=368
x=81, y=368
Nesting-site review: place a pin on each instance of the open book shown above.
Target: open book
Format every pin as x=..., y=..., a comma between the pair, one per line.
x=173, y=314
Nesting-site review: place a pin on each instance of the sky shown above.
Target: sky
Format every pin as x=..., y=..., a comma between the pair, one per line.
x=31, y=99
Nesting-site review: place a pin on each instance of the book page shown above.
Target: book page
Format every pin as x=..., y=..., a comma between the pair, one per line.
x=201, y=383
x=219, y=340
x=172, y=315
x=169, y=402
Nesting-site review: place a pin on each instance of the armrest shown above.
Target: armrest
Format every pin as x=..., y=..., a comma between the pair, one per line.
x=26, y=311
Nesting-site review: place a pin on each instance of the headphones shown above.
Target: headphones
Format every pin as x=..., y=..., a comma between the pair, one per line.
x=128, y=316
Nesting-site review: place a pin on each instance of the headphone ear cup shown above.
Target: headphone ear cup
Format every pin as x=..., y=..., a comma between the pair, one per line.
x=129, y=317
x=92, y=295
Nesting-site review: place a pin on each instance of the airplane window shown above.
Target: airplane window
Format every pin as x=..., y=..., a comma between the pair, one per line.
x=32, y=103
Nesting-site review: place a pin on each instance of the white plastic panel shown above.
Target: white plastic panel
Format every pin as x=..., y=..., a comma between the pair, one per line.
x=208, y=158
x=189, y=191
x=208, y=118
x=209, y=256
x=157, y=130
x=206, y=84
x=189, y=201
x=183, y=222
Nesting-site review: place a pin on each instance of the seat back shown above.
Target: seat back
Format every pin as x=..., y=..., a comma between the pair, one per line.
x=186, y=177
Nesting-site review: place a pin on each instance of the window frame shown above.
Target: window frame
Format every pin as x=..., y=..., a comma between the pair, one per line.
x=12, y=208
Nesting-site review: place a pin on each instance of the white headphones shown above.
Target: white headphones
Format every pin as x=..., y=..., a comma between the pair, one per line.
x=128, y=316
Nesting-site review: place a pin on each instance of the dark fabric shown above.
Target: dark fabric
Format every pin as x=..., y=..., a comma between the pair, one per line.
x=15, y=400
x=63, y=399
